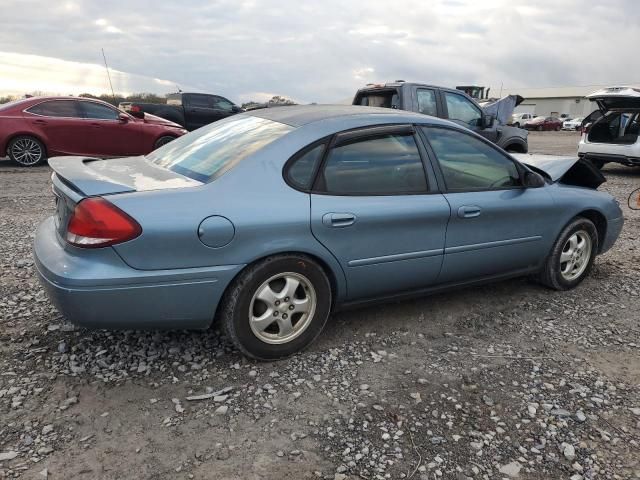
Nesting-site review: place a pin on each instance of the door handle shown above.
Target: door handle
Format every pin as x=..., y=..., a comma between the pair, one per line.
x=338, y=220
x=469, y=211
x=96, y=125
x=40, y=122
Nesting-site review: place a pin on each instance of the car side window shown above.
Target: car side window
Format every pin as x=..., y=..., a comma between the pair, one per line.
x=302, y=167
x=382, y=165
x=468, y=163
x=462, y=110
x=96, y=111
x=222, y=104
x=199, y=101
x=427, y=102
x=57, y=108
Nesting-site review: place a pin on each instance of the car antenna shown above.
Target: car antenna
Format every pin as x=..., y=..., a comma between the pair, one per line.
x=108, y=74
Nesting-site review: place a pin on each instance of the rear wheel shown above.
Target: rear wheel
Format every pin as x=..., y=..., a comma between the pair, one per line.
x=572, y=255
x=558, y=128
x=276, y=307
x=539, y=128
x=163, y=141
x=26, y=151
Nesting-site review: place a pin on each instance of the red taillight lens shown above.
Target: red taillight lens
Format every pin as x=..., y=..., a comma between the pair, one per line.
x=134, y=108
x=98, y=223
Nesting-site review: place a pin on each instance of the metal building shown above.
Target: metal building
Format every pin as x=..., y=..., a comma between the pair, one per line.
x=554, y=101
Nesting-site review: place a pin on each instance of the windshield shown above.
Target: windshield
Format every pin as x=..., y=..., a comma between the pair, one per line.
x=210, y=151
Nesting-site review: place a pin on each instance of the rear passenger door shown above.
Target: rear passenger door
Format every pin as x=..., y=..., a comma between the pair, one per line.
x=376, y=208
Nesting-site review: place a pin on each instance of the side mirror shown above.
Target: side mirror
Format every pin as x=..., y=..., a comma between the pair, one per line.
x=236, y=109
x=533, y=180
x=123, y=118
x=488, y=121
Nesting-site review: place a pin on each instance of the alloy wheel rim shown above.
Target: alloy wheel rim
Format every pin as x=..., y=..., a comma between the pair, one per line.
x=282, y=308
x=26, y=151
x=575, y=255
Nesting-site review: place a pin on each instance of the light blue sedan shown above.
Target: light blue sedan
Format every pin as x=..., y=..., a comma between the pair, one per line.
x=269, y=220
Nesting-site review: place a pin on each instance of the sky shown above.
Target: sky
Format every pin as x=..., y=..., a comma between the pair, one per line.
x=313, y=51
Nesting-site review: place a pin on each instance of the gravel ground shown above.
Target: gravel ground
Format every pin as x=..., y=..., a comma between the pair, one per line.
x=508, y=380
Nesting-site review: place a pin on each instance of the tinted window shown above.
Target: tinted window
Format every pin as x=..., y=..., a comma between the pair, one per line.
x=468, y=163
x=379, y=98
x=301, y=169
x=100, y=112
x=222, y=104
x=462, y=110
x=427, y=102
x=199, y=101
x=57, y=108
x=208, y=152
x=388, y=164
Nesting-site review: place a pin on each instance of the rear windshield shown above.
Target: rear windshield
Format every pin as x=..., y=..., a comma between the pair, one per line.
x=210, y=151
x=379, y=98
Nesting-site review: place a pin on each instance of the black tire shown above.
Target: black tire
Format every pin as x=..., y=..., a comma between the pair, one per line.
x=539, y=128
x=234, y=311
x=558, y=128
x=163, y=141
x=517, y=125
x=27, y=151
x=551, y=275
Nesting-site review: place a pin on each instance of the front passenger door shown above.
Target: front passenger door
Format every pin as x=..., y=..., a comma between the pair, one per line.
x=497, y=225
x=374, y=209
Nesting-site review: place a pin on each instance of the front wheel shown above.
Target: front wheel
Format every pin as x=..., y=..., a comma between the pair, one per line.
x=558, y=128
x=572, y=255
x=27, y=151
x=276, y=307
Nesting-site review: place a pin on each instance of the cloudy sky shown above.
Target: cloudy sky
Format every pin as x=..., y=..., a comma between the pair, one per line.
x=313, y=51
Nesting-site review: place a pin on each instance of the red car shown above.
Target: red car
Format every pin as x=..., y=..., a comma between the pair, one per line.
x=36, y=128
x=544, y=123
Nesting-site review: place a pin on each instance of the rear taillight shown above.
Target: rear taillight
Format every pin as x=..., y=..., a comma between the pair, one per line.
x=135, y=108
x=97, y=223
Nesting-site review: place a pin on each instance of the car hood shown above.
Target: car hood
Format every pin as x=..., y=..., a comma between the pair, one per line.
x=565, y=169
x=616, y=97
x=502, y=108
x=155, y=120
x=93, y=176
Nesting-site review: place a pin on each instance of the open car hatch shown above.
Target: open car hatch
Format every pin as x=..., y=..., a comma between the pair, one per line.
x=616, y=98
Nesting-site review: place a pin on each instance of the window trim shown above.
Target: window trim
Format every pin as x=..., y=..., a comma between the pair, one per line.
x=370, y=132
x=438, y=169
x=75, y=100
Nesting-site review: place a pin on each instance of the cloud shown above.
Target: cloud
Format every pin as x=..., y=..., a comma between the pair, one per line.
x=324, y=51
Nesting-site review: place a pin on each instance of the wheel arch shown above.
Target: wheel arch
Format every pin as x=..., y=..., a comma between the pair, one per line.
x=13, y=136
x=600, y=222
x=337, y=281
x=516, y=145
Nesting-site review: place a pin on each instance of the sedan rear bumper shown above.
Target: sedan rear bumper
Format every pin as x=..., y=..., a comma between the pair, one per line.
x=95, y=288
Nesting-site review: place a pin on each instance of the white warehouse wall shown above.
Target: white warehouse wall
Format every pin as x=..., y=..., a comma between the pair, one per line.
x=557, y=106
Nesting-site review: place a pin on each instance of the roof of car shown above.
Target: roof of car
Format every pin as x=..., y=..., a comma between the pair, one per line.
x=299, y=115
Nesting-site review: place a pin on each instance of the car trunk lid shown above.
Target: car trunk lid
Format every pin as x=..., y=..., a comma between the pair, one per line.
x=616, y=98
x=76, y=178
x=93, y=177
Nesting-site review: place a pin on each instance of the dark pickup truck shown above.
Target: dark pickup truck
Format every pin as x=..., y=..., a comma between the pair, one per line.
x=191, y=110
x=448, y=103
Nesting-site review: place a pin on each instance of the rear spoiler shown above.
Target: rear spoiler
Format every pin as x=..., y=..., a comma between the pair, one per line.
x=75, y=174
